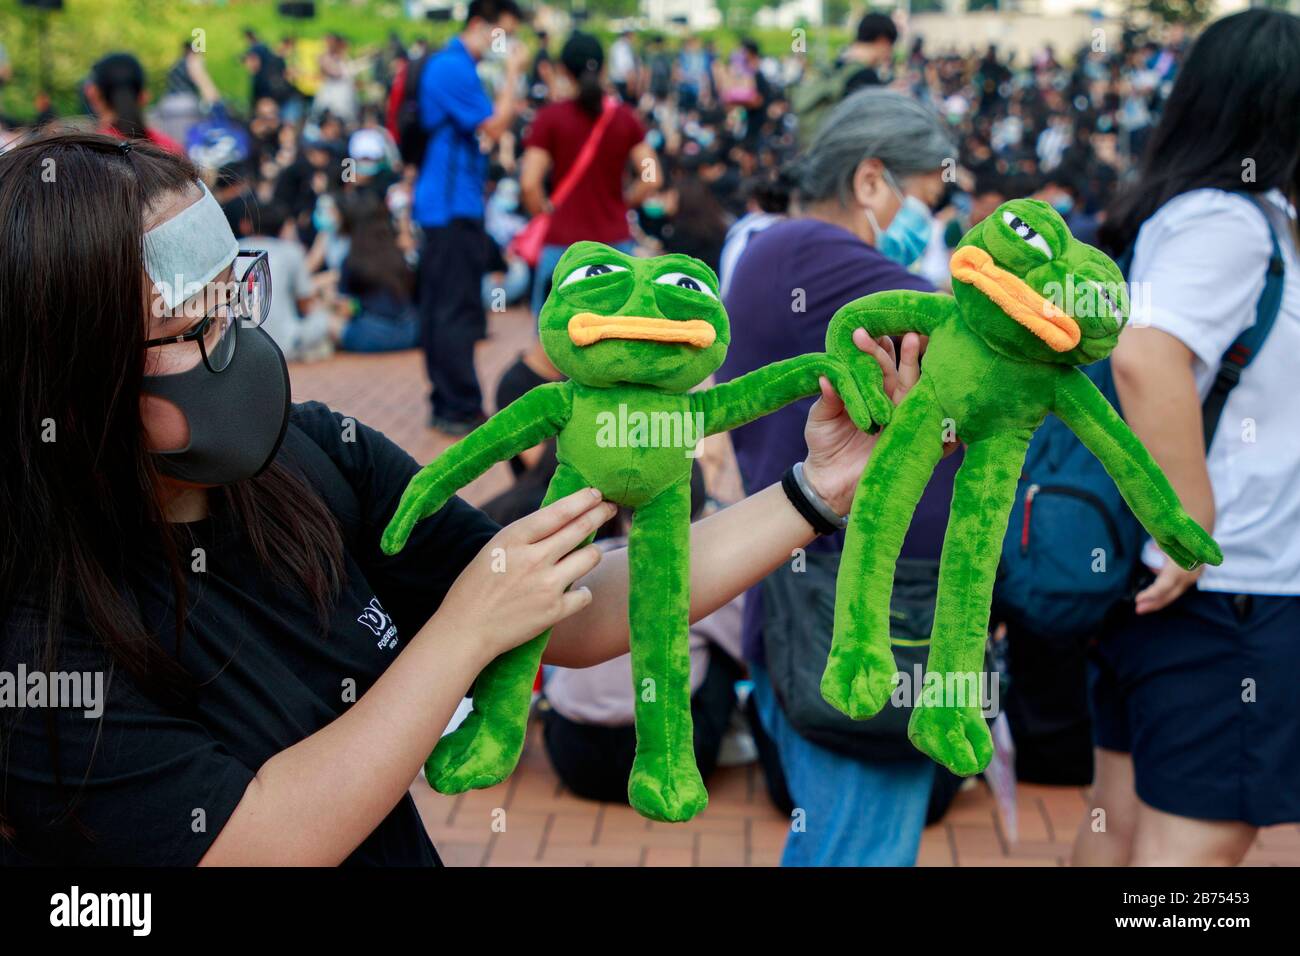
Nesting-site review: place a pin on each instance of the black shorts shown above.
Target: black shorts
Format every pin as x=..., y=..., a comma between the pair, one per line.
x=1203, y=696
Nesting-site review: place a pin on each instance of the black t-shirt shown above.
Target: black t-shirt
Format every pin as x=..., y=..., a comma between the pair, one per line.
x=154, y=785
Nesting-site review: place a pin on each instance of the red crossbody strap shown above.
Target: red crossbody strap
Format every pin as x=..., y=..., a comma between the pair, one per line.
x=585, y=155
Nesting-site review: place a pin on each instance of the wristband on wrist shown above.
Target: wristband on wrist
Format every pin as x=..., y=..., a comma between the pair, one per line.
x=809, y=504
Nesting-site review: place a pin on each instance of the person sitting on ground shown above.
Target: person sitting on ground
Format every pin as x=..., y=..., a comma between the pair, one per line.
x=296, y=321
x=375, y=280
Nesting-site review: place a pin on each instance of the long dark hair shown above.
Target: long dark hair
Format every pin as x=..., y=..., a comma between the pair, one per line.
x=79, y=489
x=374, y=260
x=1236, y=99
x=582, y=58
x=120, y=81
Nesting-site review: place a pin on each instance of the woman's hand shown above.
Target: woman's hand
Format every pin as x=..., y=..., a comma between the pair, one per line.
x=837, y=449
x=517, y=585
x=1170, y=584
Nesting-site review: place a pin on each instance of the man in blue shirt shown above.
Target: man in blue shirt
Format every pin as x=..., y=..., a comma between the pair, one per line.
x=448, y=205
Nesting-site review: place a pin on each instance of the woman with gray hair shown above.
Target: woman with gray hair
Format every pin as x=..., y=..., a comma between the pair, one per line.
x=863, y=193
x=874, y=168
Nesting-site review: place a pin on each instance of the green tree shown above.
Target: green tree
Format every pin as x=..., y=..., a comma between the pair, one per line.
x=1178, y=11
x=607, y=8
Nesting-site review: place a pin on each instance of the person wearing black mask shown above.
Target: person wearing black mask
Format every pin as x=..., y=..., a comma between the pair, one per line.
x=261, y=684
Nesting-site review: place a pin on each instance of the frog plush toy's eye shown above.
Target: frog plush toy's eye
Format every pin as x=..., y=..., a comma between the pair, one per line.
x=591, y=271
x=683, y=281
x=1111, y=300
x=1026, y=232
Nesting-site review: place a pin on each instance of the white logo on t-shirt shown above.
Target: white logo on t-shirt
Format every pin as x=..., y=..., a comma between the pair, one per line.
x=380, y=624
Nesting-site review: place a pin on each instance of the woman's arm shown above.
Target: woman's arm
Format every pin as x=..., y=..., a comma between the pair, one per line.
x=646, y=179
x=313, y=803
x=532, y=174
x=1153, y=376
x=737, y=547
x=731, y=551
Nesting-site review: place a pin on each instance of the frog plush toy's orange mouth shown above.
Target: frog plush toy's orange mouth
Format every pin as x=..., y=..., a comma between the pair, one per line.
x=974, y=266
x=587, y=328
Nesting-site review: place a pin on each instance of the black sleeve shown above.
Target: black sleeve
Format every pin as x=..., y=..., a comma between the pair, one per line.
x=144, y=785
x=412, y=583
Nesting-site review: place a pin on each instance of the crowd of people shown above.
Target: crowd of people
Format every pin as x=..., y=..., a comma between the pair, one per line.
x=404, y=193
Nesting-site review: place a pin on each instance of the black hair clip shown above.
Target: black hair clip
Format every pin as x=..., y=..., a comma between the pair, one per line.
x=124, y=146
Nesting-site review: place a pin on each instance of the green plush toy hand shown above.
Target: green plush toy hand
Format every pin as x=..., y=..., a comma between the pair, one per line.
x=634, y=336
x=1029, y=304
x=1187, y=544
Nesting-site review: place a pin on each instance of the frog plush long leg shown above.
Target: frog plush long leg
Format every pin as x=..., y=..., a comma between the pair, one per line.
x=665, y=783
x=485, y=748
x=952, y=730
x=859, y=674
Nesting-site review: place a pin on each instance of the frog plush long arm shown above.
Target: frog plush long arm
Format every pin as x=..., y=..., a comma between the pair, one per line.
x=531, y=419
x=1143, y=485
x=1030, y=303
x=633, y=336
x=774, y=386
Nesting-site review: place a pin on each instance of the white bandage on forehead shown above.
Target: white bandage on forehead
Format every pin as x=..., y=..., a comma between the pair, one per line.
x=189, y=250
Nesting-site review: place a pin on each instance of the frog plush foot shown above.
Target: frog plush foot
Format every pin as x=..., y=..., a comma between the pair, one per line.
x=665, y=790
x=474, y=755
x=858, y=681
x=957, y=737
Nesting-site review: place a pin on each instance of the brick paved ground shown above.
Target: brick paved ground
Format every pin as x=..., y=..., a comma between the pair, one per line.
x=545, y=825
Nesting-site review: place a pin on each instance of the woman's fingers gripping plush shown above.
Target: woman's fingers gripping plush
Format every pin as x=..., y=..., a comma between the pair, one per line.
x=872, y=379
x=578, y=520
x=909, y=363
x=522, y=576
x=841, y=389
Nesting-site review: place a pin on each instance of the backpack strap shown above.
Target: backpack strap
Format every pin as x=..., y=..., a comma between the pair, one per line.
x=1247, y=345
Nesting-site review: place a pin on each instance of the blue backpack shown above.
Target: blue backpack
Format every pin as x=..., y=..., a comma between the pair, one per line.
x=1071, y=550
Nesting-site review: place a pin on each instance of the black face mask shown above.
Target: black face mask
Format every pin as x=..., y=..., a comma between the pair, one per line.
x=237, y=416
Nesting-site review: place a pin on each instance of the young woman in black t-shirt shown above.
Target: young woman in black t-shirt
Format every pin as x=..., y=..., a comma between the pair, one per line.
x=261, y=684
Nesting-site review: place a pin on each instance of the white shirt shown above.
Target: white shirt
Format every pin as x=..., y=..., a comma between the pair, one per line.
x=738, y=236
x=622, y=60
x=289, y=283
x=1197, y=274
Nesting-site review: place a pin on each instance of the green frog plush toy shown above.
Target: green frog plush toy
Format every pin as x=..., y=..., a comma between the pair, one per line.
x=1030, y=304
x=634, y=336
